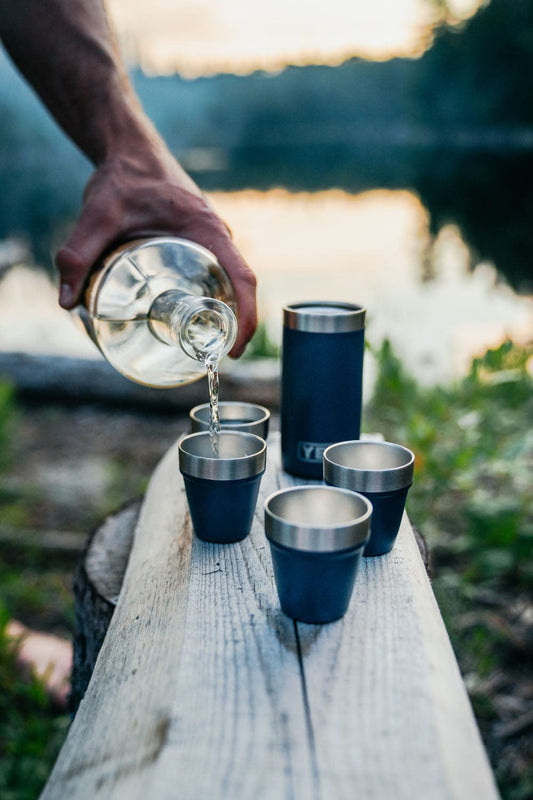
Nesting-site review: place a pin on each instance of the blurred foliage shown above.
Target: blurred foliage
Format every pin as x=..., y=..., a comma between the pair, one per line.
x=8, y=419
x=469, y=74
x=471, y=499
x=473, y=443
x=261, y=345
x=31, y=731
x=37, y=590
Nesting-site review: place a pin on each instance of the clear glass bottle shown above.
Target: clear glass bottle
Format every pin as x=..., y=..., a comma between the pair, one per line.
x=160, y=309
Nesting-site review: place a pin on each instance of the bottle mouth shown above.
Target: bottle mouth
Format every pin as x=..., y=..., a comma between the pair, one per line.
x=208, y=329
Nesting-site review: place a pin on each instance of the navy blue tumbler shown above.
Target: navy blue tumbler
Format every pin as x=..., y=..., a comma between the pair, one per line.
x=383, y=473
x=317, y=535
x=321, y=381
x=222, y=489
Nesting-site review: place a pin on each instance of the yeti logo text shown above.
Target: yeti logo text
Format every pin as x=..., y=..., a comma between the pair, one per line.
x=311, y=452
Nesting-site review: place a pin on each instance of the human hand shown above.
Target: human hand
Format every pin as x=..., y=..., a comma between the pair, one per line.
x=147, y=193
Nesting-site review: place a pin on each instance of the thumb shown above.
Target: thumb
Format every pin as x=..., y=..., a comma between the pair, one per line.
x=90, y=238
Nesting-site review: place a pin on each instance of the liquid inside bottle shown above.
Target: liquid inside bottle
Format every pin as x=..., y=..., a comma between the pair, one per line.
x=159, y=309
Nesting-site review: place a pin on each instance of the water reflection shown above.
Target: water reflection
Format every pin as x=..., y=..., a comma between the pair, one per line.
x=374, y=248
x=487, y=193
x=490, y=198
x=407, y=261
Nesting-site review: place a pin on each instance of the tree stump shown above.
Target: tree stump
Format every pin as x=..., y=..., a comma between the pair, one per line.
x=97, y=585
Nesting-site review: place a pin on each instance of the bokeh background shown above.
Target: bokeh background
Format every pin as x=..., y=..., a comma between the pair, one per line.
x=375, y=152
x=379, y=151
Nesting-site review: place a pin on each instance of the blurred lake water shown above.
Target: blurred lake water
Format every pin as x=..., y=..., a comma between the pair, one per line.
x=403, y=184
x=374, y=248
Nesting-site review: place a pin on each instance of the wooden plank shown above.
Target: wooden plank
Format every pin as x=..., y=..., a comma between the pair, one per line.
x=122, y=722
x=389, y=710
x=390, y=716
x=240, y=724
x=203, y=713
x=204, y=689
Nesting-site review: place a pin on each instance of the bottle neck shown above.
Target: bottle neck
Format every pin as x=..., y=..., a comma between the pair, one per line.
x=205, y=328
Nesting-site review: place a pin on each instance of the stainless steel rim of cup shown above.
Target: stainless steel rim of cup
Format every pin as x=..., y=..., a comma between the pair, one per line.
x=366, y=466
x=241, y=455
x=321, y=519
x=324, y=317
x=247, y=417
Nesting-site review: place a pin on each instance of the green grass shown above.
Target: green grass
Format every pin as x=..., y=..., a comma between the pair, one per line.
x=472, y=500
x=31, y=731
x=473, y=442
x=260, y=345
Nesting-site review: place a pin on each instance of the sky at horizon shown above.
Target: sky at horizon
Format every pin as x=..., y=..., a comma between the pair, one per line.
x=199, y=37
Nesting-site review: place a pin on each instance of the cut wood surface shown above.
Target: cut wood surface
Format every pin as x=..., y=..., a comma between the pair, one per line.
x=204, y=689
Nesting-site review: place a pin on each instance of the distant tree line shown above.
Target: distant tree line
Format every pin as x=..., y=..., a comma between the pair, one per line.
x=472, y=80
x=452, y=125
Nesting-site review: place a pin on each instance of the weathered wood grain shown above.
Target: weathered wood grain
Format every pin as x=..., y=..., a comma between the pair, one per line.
x=389, y=710
x=122, y=723
x=204, y=689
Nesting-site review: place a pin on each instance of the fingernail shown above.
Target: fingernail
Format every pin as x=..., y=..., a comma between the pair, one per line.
x=66, y=296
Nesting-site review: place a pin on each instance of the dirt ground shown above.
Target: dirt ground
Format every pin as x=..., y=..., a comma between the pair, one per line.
x=70, y=467
x=74, y=465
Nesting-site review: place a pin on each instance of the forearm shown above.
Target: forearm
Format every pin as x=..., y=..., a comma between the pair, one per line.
x=66, y=50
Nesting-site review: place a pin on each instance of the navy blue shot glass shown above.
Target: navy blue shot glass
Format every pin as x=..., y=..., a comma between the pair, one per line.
x=234, y=416
x=383, y=473
x=317, y=535
x=321, y=381
x=222, y=490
